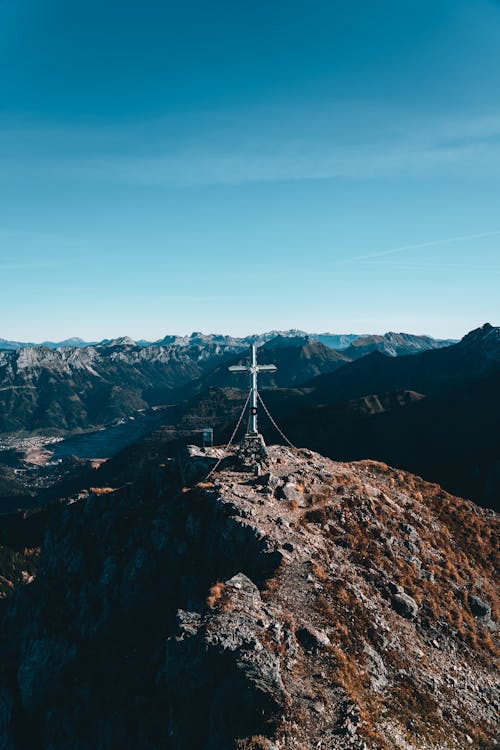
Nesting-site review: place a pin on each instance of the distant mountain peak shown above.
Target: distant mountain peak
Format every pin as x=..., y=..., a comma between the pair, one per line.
x=484, y=331
x=122, y=341
x=287, y=341
x=394, y=344
x=484, y=341
x=73, y=341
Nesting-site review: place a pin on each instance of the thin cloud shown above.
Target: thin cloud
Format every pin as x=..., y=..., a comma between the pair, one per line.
x=261, y=147
x=301, y=161
x=420, y=246
x=401, y=266
x=32, y=264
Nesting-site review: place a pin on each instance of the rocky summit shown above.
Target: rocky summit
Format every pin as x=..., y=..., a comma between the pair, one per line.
x=294, y=602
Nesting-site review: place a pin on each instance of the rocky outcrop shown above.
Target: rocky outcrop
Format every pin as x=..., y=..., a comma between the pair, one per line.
x=357, y=611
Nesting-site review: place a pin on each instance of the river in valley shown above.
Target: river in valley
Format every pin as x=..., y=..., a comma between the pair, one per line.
x=108, y=441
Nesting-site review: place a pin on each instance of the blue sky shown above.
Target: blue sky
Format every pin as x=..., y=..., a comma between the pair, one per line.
x=237, y=167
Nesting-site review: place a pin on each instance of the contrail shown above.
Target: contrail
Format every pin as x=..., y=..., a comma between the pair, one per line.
x=432, y=243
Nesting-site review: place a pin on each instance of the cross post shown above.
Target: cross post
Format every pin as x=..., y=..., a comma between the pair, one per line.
x=253, y=369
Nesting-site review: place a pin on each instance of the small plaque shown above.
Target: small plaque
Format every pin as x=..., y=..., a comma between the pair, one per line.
x=208, y=437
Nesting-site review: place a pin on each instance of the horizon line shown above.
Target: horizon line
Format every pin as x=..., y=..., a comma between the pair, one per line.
x=92, y=341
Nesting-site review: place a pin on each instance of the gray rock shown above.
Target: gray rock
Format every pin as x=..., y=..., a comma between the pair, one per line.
x=245, y=586
x=395, y=588
x=405, y=606
x=478, y=607
x=188, y=622
x=375, y=668
x=270, y=480
x=292, y=494
x=409, y=530
x=312, y=639
x=194, y=464
x=319, y=707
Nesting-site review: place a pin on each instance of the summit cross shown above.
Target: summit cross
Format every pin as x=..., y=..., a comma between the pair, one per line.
x=253, y=369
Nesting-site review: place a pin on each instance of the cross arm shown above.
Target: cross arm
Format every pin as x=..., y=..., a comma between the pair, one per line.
x=238, y=368
x=266, y=368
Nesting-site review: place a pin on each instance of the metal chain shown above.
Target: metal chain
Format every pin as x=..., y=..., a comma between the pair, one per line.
x=273, y=422
x=231, y=438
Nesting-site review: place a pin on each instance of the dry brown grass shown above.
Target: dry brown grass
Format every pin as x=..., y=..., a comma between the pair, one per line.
x=215, y=594
x=257, y=742
x=31, y=552
x=204, y=485
x=456, y=544
x=314, y=515
x=293, y=504
x=319, y=571
x=349, y=675
x=289, y=621
x=457, y=548
x=272, y=584
x=451, y=553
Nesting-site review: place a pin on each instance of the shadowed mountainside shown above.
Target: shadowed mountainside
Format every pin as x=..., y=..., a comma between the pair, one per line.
x=316, y=605
x=298, y=360
x=430, y=372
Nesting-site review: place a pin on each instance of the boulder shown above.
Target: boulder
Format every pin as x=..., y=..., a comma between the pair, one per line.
x=478, y=607
x=311, y=639
x=404, y=605
x=270, y=480
x=291, y=493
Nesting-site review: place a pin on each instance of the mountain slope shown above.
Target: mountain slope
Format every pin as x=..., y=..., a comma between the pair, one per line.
x=297, y=359
x=316, y=605
x=431, y=372
x=394, y=345
x=77, y=388
x=75, y=341
x=447, y=438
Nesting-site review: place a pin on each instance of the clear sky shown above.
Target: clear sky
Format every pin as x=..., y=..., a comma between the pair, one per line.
x=238, y=166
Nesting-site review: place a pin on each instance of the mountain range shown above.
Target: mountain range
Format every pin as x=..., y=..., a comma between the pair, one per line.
x=433, y=412
x=391, y=343
x=74, y=388
x=84, y=386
